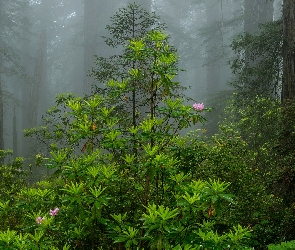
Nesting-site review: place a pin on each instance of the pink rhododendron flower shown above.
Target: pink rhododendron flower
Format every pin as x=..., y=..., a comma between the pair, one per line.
x=39, y=220
x=54, y=212
x=198, y=106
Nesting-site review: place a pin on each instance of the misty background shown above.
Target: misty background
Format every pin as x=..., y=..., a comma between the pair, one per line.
x=47, y=47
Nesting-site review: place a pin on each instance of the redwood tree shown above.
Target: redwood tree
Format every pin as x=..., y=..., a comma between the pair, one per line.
x=287, y=139
x=288, y=86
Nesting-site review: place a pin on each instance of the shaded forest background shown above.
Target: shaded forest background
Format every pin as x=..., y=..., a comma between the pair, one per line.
x=48, y=47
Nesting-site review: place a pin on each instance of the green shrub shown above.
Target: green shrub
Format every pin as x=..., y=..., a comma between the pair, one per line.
x=120, y=183
x=283, y=246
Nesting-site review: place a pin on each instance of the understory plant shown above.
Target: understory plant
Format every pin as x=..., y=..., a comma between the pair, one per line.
x=256, y=113
x=117, y=182
x=107, y=195
x=267, y=165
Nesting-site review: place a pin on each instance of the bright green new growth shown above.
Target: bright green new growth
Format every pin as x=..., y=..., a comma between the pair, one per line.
x=119, y=180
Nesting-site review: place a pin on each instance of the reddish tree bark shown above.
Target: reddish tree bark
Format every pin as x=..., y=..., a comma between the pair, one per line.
x=288, y=86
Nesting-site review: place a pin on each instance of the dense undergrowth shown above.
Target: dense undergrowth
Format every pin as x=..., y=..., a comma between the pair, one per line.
x=142, y=188
x=123, y=176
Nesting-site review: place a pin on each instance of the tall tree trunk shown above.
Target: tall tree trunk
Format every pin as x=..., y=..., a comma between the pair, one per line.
x=26, y=87
x=288, y=87
x=287, y=143
x=33, y=96
x=38, y=79
x=214, y=45
x=1, y=93
x=256, y=12
x=14, y=133
x=27, y=62
x=288, y=81
x=35, y=78
x=1, y=88
x=179, y=12
x=1, y=117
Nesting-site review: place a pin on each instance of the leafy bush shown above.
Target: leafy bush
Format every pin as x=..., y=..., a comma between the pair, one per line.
x=282, y=246
x=117, y=182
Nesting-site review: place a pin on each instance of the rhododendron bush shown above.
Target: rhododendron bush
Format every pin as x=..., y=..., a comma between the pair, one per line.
x=117, y=181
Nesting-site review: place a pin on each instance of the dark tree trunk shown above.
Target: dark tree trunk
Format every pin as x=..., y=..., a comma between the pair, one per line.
x=27, y=65
x=39, y=80
x=288, y=83
x=1, y=117
x=34, y=92
x=1, y=93
x=288, y=87
x=14, y=133
x=32, y=95
x=287, y=138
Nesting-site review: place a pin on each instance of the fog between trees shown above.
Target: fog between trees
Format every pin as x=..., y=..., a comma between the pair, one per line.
x=48, y=47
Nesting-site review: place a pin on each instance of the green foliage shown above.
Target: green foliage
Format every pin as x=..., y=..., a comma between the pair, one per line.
x=95, y=190
x=12, y=175
x=228, y=157
x=258, y=122
x=126, y=186
x=124, y=178
x=256, y=114
x=140, y=76
x=131, y=22
x=258, y=62
x=282, y=246
x=263, y=160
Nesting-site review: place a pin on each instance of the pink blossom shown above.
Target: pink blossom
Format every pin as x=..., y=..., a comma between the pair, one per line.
x=39, y=220
x=198, y=106
x=54, y=212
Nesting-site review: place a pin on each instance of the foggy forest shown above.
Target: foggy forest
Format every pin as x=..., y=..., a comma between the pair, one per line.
x=147, y=124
